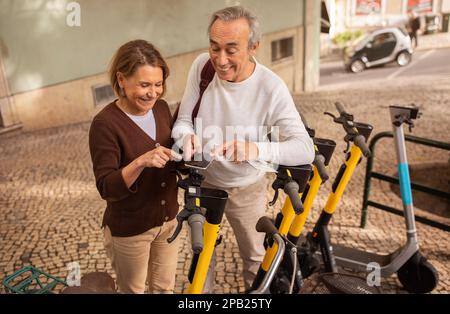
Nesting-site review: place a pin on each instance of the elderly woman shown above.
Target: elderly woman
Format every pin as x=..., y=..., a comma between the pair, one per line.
x=130, y=142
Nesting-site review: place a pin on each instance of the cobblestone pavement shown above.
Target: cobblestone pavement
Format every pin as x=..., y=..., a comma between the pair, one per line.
x=50, y=211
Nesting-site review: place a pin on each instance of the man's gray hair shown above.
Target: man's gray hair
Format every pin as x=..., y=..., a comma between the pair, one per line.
x=234, y=13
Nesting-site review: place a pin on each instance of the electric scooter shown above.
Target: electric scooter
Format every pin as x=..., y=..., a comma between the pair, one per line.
x=266, y=225
x=319, y=239
x=205, y=224
x=414, y=272
x=324, y=149
x=203, y=210
x=292, y=180
x=290, y=221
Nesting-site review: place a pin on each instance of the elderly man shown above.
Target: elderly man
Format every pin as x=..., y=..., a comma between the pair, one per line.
x=242, y=97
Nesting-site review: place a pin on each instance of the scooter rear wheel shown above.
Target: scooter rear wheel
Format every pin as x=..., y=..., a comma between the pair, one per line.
x=418, y=275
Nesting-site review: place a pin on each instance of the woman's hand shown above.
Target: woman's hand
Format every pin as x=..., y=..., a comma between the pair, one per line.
x=156, y=158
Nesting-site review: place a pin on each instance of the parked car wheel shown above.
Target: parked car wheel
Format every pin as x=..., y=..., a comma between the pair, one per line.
x=357, y=66
x=403, y=58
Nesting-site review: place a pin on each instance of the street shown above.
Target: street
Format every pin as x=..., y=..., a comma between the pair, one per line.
x=424, y=62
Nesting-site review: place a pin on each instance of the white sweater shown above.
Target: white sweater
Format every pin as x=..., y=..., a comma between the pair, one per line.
x=243, y=108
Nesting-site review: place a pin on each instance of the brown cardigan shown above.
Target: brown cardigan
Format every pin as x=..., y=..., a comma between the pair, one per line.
x=114, y=141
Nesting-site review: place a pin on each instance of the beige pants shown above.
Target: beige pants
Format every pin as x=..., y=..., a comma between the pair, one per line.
x=146, y=257
x=245, y=205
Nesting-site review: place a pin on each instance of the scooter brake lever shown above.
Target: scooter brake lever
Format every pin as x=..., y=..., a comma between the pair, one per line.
x=410, y=125
x=179, y=176
x=275, y=197
x=347, y=149
x=182, y=216
x=331, y=115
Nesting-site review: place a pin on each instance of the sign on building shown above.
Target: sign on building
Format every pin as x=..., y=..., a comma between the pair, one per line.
x=367, y=7
x=420, y=6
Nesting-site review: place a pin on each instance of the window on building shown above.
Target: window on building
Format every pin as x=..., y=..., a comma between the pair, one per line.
x=103, y=94
x=282, y=48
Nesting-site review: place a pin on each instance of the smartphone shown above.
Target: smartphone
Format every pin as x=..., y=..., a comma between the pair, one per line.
x=203, y=164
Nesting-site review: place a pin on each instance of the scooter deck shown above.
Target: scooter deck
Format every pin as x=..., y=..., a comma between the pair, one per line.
x=358, y=259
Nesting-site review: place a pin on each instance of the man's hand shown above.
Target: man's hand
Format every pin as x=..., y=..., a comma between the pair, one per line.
x=191, y=146
x=237, y=151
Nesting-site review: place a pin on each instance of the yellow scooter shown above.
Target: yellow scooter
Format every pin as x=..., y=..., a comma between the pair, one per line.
x=203, y=209
x=301, y=186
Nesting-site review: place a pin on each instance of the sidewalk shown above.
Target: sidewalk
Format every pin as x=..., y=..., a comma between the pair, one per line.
x=50, y=210
x=434, y=41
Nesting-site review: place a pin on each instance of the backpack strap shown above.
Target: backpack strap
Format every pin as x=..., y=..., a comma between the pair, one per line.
x=206, y=76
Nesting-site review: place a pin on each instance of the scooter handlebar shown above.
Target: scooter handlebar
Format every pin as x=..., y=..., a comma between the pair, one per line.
x=266, y=225
x=196, y=222
x=340, y=108
x=360, y=141
x=319, y=162
x=291, y=189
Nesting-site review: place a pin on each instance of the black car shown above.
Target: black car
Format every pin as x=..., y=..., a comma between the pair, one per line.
x=379, y=47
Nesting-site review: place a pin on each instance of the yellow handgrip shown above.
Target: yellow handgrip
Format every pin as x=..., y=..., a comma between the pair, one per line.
x=210, y=233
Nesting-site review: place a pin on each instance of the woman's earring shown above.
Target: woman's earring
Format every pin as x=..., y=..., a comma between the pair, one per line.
x=121, y=91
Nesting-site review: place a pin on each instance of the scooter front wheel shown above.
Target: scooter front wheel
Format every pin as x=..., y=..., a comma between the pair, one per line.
x=418, y=275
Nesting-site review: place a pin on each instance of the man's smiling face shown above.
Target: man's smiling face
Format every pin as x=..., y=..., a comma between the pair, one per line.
x=229, y=51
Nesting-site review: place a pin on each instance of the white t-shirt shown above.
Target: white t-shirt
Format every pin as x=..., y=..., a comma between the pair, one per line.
x=243, y=109
x=146, y=123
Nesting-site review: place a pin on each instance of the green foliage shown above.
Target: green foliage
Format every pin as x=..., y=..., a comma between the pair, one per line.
x=342, y=39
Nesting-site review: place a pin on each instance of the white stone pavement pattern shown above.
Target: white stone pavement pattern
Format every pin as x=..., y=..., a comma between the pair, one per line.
x=50, y=211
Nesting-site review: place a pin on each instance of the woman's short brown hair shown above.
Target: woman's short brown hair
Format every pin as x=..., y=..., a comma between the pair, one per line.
x=132, y=55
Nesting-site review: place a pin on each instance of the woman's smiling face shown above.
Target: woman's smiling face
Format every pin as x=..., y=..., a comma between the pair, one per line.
x=142, y=89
